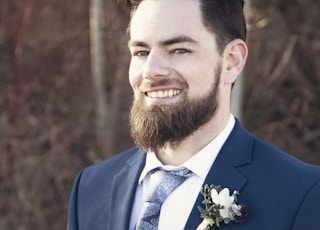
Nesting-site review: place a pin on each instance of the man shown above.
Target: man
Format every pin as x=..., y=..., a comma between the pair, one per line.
x=186, y=55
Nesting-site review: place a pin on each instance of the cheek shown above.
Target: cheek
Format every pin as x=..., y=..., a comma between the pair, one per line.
x=201, y=83
x=134, y=83
x=134, y=77
x=131, y=80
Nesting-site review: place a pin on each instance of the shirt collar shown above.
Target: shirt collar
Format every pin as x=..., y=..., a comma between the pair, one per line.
x=201, y=162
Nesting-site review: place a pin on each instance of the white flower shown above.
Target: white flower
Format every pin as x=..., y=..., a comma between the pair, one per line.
x=224, y=199
x=220, y=206
x=236, y=209
x=204, y=224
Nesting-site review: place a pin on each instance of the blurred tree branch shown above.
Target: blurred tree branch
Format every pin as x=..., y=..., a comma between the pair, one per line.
x=18, y=97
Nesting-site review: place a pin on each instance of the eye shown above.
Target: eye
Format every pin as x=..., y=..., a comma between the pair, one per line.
x=142, y=53
x=181, y=51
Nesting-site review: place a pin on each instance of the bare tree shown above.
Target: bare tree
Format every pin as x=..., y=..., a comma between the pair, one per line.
x=102, y=108
x=238, y=90
x=109, y=70
x=17, y=96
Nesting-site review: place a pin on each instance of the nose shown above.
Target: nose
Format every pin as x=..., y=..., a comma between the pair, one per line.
x=156, y=65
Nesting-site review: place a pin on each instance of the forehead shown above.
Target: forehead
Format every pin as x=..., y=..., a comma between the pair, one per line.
x=165, y=18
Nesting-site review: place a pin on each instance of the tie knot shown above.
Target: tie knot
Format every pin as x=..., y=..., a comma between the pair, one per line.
x=163, y=182
x=181, y=172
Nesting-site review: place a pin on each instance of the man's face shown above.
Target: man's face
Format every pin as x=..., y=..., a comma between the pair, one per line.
x=174, y=72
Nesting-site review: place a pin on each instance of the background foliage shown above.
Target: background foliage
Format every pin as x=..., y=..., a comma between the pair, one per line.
x=47, y=100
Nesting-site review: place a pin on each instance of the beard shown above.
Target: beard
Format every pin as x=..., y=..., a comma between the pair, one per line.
x=155, y=126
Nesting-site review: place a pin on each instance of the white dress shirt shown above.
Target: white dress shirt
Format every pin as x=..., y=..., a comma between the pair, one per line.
x=177, y=207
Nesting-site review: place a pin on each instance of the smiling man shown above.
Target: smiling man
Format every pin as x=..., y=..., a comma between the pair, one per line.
x=185, y=57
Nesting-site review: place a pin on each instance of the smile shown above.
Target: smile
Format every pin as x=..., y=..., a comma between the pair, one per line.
x=163, y=93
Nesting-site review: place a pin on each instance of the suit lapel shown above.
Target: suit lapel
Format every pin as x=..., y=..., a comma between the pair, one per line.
x=123, y=191
x=224, y=172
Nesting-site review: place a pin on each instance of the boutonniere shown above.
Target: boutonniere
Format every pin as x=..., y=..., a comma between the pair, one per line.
x=220, y=206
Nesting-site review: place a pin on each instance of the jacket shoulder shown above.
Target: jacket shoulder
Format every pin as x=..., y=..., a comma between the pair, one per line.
x=115, y=164
x=278, y=159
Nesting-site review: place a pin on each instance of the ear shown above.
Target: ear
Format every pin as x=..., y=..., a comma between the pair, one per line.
x=235, y=56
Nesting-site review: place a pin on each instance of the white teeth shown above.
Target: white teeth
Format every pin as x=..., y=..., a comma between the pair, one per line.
x=163, y=93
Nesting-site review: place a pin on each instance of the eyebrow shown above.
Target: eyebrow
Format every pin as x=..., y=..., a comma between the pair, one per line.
x=166, y=42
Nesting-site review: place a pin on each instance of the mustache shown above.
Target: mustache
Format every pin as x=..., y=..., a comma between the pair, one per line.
x=164, y=82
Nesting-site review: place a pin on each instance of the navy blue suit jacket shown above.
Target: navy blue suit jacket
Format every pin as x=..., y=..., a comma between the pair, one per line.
x=280, y=192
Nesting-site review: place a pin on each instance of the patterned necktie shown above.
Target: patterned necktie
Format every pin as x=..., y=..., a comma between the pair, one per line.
x=162, y=183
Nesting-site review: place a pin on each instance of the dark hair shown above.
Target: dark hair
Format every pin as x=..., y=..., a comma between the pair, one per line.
x=224, y=18
x=132, y=4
